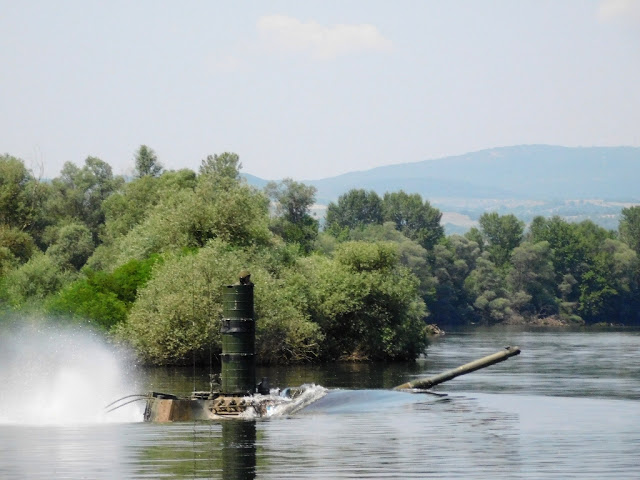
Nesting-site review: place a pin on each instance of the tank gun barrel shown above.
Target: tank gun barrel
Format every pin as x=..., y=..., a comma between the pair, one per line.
x=425, y=383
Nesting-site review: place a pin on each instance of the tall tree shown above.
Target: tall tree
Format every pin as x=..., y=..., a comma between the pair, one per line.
x=502, y=235
x=147, y=162
x=609, y=289
x=292, y=199
x=16, y=203
x=416, y=218
x=452, y=263
x=293, y=221
x=366, y=304
x=132, y=203
x=531, y=281
x=354, y=209
x=72, y=246
x=630, y=227
x=486, y=286
x=78, y=194
x=225, y=165
x=568, y=252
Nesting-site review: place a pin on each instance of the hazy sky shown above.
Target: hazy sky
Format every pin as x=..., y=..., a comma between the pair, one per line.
x=310, y=89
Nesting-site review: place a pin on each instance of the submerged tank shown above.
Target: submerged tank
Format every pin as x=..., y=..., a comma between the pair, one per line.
x=234, y=394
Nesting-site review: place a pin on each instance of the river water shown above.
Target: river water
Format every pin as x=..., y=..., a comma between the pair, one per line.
x=567, y=407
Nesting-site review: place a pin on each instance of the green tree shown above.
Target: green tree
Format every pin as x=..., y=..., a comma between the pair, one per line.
x=30, y=284
x=410, y=253
x=102, y=298
x=225, y=165
x=16, y=203
x=78, y=194
x=569, y=252
x=146, y=162
x=230, y=211
x=292, y=199
x=177, y=314
x=131, y=204
x=72, y=246
x=487, y=287
x=608, y=289
x=285, y=332
x=86, y=303
x=293, y=222
x=585, y=258
x=630, y=227
x=453, y=261
x=418, y=220
x=475, y=235
x=367, y=305
x=531, y=280
x=502, y=234
x=19, y=245
x=354, y=209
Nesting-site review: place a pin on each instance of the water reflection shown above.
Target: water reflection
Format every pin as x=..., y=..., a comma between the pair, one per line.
x=239, y=450
x=225, y=449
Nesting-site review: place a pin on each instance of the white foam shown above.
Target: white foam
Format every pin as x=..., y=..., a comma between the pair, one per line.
x=279, y=405
x=54, y=375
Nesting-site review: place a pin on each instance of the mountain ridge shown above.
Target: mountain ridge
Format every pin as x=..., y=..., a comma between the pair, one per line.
x=525, y=172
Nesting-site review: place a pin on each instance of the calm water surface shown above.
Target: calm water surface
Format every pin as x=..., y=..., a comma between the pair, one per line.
x=567, y=407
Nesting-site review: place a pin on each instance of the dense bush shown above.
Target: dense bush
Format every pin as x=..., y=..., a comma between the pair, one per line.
x=103, y=298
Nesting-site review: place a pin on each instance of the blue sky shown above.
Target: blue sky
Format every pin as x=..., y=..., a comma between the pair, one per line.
x=311, y=89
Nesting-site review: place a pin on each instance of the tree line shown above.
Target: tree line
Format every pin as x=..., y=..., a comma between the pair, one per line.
x=144, y=260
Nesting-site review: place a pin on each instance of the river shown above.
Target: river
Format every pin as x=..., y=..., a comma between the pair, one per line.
x=567, y=407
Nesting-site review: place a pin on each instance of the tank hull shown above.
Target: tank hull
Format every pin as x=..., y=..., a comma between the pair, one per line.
x=194, y=409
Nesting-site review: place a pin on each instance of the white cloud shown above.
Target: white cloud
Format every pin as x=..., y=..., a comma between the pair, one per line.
x=627, y=11
x=287, y=34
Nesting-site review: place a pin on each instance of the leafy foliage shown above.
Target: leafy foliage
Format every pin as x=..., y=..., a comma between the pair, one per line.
x=293, y=221
x=630, y=227
x=486, y=285
x=367, y=305
x=355, y=209
x=72, y=246
x=18, y=244
x=16, y=199
x=178, y=313
x=453, y=261
x=531, y=280
x=226, y=165
x=130, y=205
x=147, y=163
x=103, y=298
x=501, y=234
x=418, y=220
x=32, y=282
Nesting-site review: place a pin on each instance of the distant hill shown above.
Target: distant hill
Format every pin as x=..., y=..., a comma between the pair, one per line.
x=537, y=172
x=501, y=178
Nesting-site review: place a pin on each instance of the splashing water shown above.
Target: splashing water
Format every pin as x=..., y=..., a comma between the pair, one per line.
x=54, y=375
x=279, y=405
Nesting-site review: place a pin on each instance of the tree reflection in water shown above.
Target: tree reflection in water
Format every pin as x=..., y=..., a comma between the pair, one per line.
x=239, y=449
x=225, y=449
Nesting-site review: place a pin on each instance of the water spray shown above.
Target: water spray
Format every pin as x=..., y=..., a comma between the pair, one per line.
x=61, y=375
